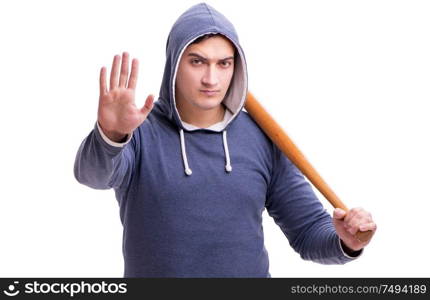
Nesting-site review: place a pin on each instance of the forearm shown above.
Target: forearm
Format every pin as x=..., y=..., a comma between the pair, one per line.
x=96, y=161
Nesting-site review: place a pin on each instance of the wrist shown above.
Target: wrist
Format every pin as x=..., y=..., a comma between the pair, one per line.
x=114, y=136
x=117, y=137
x=348, y=250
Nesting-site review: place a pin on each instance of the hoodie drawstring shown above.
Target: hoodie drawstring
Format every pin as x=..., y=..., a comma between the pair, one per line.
x=184, y=154
x=187, y=169
x=228, y=167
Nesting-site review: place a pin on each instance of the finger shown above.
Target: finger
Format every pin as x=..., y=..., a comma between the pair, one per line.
x=103, y=88
x=339, y=213
x=114, y=72
x=368, y=226
x=149, y=103
x=361, y=217
x=133, y=75
x=351, y=213
x=364, y=216
x=353, y=226
x=124, y=70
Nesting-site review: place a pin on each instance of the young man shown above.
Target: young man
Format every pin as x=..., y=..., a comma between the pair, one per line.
x=191, y=197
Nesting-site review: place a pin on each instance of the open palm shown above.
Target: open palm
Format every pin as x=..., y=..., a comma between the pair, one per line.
x=118, y=114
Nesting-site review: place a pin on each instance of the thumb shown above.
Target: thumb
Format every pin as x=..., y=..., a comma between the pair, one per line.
x=149, y=104
x=339, y=213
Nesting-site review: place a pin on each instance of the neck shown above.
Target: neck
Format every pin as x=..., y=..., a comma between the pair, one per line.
x=201, y=118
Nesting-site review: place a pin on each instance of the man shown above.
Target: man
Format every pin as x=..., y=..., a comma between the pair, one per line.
x=191, y=199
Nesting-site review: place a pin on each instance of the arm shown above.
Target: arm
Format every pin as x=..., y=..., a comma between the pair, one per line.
x=103, y=164
x=106, y=157
x=298, y=212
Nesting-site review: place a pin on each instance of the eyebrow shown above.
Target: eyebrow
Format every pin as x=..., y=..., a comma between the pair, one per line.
x=205, y=59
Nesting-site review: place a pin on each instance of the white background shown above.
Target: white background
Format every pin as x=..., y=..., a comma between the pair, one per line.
x=347, y=80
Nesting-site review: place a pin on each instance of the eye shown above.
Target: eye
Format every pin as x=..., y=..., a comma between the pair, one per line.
x=196, y=61
x=226, y=63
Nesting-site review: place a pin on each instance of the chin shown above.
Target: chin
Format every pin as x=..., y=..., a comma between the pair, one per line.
x=208, y=103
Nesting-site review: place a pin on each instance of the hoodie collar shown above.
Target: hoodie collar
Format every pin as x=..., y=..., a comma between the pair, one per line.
x=215, y=127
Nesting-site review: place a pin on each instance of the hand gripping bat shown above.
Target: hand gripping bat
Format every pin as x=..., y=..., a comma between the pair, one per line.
x=286, y=145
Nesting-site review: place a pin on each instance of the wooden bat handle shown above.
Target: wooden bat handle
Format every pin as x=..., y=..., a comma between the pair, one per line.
x=286, y=145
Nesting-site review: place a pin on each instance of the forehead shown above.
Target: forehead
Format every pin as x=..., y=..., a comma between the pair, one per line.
x=216, y=46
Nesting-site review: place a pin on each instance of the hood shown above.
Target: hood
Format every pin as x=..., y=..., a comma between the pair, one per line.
x=199, y=20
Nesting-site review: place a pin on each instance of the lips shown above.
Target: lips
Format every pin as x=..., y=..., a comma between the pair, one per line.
x=209, y=92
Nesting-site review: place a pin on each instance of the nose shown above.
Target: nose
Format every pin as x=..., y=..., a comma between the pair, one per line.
x=210, y=77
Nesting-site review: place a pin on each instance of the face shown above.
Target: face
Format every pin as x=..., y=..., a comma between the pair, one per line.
x=204, y=74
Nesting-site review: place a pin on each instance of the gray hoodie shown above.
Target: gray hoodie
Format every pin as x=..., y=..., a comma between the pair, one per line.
x=191, y=199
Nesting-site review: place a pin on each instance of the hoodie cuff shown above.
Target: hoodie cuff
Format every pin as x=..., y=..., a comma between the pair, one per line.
x=356, y=254
x=109, y=141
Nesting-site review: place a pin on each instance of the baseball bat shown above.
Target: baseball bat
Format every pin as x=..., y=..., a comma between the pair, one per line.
x=286, y=145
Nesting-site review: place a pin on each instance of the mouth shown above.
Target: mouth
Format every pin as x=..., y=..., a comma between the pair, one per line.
x=210, y=92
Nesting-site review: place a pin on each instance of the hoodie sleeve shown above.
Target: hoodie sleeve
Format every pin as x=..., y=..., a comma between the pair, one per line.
x=295, y=208
x=103, y=164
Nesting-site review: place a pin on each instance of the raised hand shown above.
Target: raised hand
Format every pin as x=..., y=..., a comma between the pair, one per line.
x=117, y=114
